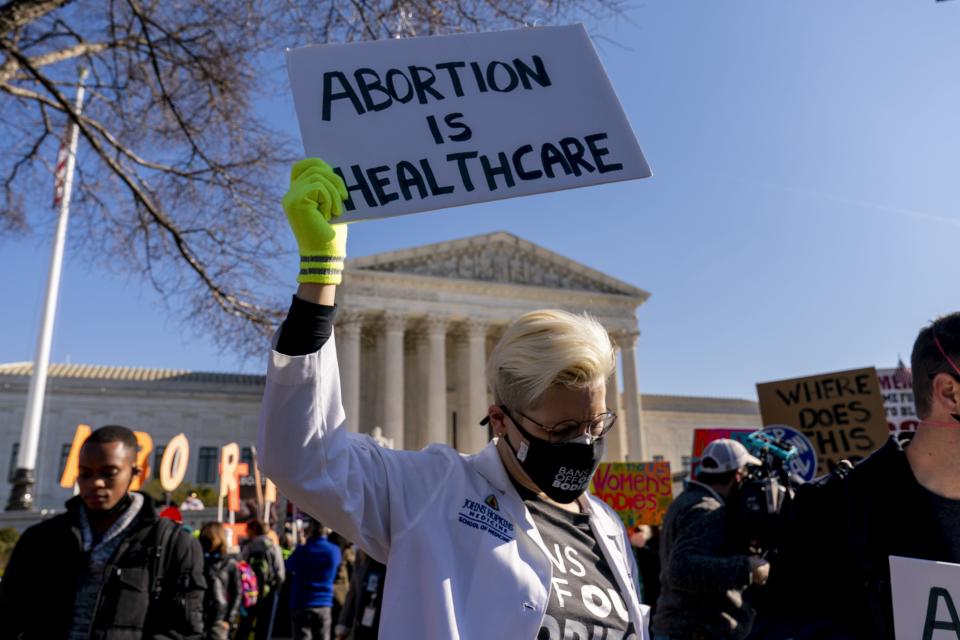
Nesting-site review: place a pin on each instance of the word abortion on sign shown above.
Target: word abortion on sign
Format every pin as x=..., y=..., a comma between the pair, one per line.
x=898, y=400
x=639, y=492
x=841, y=413
x=417, y=124
x=926, y=599
x=144, y=448
x=173, y=466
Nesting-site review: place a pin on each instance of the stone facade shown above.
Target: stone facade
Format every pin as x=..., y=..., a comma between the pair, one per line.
x=211, y=409
x=416, y=327
x=671, y=420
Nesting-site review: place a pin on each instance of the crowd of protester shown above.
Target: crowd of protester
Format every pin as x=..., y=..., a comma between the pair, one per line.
x=507, y=543
x=112, y=567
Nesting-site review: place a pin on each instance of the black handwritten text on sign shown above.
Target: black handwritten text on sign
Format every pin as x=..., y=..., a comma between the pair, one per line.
x=841, y=413
x=415, y=124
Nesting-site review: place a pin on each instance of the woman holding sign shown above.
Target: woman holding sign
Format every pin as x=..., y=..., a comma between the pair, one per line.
x=502, y=544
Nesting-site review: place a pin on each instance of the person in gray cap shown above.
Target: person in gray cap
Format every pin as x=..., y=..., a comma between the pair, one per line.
x=702, y=577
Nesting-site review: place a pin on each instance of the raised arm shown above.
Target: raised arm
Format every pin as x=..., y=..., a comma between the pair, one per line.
x=362, y=491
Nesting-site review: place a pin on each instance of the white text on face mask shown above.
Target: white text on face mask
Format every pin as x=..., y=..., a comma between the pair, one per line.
x=568, y=479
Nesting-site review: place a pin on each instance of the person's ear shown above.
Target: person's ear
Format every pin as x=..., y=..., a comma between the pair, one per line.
x=946, y=392
x=497, y=419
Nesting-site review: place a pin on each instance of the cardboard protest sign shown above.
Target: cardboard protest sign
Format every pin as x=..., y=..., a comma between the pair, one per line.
x=639, y=492
x=897, y=389
x=416, y=124
x=703, y=437
x=841, y=413
x=926, y=599
x=68, y=477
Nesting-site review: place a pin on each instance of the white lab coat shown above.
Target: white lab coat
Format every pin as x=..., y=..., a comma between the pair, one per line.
x=465, y=560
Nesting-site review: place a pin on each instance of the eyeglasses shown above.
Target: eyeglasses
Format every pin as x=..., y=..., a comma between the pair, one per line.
x=565, y=430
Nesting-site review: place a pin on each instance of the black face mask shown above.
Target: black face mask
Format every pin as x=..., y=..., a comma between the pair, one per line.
x=562, y=470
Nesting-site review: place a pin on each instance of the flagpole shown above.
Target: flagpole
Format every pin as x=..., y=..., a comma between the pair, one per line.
x=22, y=492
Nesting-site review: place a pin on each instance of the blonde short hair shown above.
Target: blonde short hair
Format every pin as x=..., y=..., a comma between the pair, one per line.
x=545, y=348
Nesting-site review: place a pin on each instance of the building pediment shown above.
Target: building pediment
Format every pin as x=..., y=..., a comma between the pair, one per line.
x=496, y=257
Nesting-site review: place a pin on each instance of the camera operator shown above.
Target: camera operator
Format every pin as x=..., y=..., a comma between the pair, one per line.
x=703, y=578
x=832, y=576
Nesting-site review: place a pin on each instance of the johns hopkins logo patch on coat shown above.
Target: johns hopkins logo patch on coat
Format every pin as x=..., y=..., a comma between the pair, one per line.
x=485, y=516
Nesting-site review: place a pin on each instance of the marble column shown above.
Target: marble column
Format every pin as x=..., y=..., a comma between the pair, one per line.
x=472, y=388
x=631, y=397
x=348, y=353
x=617, y=444
x=436, y=379
x=394, y=324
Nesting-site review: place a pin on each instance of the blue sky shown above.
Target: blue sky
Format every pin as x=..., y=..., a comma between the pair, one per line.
x=802, y=216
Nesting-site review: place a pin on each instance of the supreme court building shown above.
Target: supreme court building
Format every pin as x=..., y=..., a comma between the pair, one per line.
x=414, y=329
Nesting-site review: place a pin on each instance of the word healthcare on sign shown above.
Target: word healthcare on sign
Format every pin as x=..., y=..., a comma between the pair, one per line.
x=639, y=492
x=926, y=596
x=426, y=123
x=841, y=413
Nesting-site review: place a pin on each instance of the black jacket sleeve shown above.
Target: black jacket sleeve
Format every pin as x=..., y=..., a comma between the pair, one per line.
x=15, y=587
x=182, y=590
x=215, y=607
x=307, y=328
x=813, y=581
x=234, y=593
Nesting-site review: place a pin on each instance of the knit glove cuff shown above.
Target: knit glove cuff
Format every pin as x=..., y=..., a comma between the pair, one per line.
x=325, y=264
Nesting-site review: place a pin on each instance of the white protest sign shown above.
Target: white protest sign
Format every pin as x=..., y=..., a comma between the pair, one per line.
x=426, y=123
x=898, y=402
x=926, y=597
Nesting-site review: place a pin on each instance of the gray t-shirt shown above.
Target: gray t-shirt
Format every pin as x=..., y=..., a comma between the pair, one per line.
x=585, y=601
x=947, y=514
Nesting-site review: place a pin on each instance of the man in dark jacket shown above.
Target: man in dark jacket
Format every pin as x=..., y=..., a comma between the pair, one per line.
x=832, y=577
x=109, y=568
x=702, y=577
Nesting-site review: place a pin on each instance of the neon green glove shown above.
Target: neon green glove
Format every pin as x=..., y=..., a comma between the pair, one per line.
x=315, y=197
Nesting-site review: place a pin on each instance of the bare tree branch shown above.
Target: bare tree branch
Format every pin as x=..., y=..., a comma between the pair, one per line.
x=179, y=176
x=18, y=13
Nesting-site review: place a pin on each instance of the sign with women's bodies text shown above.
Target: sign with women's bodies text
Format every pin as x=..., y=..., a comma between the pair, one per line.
x=639, y=492
x=417, y=124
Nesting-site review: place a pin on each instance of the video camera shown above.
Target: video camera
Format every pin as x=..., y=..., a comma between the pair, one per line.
x=767, y=489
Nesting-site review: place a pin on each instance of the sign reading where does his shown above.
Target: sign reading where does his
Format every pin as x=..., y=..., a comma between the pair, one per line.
x=417, y=124
x=841, y=413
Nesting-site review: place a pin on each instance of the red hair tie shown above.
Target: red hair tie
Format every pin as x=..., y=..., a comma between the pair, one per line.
x=943, y=352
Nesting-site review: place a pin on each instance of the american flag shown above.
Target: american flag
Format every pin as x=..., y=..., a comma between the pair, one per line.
x=60, y=175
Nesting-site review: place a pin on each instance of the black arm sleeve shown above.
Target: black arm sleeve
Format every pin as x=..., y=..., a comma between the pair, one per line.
x=16, y=591
x=177, y=614
x=307, y=328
